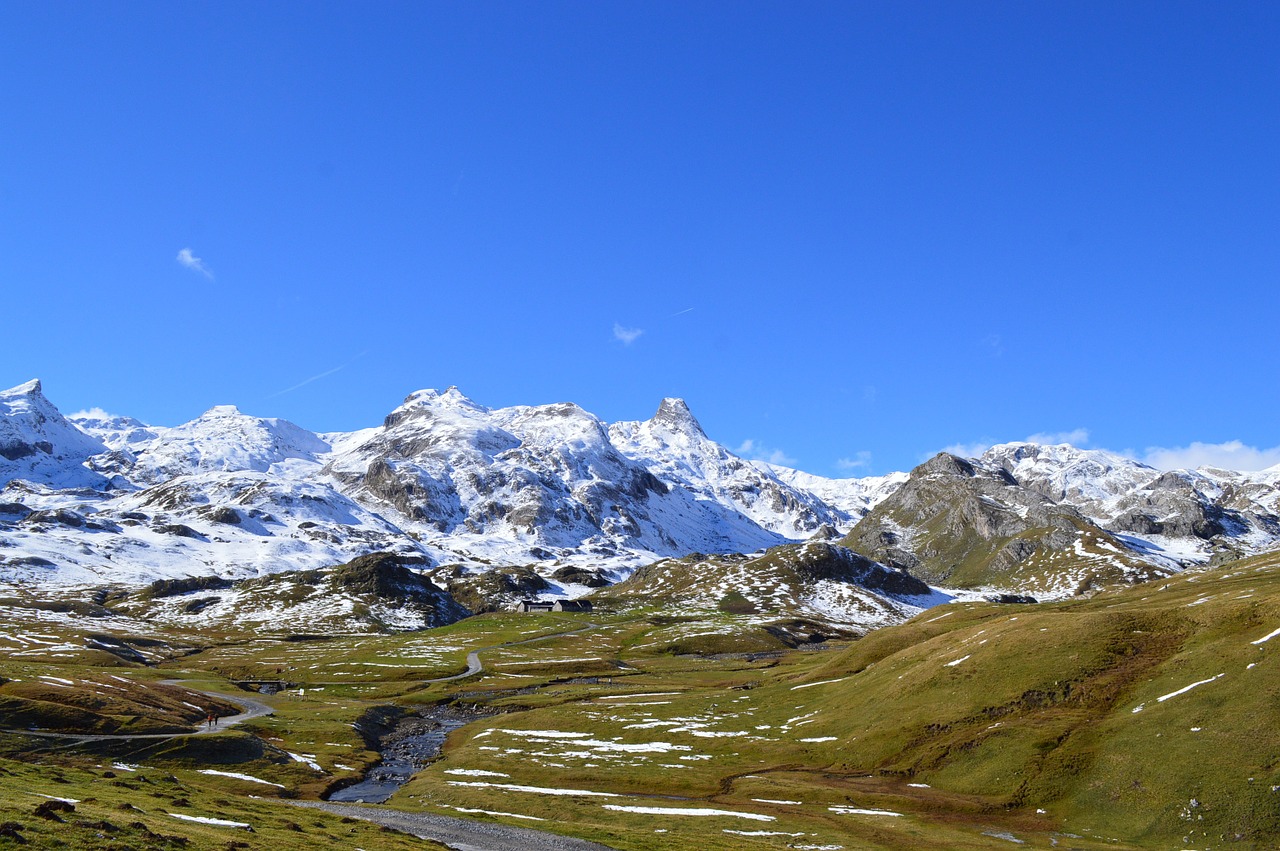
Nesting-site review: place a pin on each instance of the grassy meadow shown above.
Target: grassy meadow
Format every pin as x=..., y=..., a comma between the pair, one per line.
x=1139, y=718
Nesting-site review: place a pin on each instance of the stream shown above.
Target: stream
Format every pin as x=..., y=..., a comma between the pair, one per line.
x=415, y=742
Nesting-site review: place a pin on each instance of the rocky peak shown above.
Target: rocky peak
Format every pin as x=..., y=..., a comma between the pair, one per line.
x=946, y=464
x=426, y=403
x=41, y=444
x=31, y=388
x=674, y=415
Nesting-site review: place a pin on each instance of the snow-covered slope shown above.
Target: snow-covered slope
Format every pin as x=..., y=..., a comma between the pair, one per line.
x=530, y=483
x=851, y=497
x=39, y=445
x=673, y=446
x=1177, y=517
x=115, y=432
x=117, y=500
x=224, y=439
x=449, y=482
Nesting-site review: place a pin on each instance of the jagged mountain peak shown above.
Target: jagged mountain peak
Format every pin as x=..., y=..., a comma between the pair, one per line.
x=450, y=397
x=37, y=443
x=431, y=404
x=30, y=388
x=674, y=415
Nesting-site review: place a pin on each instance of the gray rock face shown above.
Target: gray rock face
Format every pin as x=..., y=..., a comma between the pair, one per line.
x=552, y=476
x=1209, y=509
x=1171, y=505
x=818, y=561
x=960, y=522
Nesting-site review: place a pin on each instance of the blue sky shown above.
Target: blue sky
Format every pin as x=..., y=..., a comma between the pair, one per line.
x=849, y=234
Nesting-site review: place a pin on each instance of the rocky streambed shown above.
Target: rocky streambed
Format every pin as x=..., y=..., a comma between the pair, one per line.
x=407, y=744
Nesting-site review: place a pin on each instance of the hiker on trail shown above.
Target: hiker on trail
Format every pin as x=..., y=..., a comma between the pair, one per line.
x=212, y=719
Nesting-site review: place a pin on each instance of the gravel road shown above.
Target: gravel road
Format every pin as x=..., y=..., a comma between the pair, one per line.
x=460, y=834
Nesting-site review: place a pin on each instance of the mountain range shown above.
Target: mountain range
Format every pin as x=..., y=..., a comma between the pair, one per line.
x=463, y=491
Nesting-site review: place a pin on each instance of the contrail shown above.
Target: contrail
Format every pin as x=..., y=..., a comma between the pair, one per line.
x=686, y=310
x=325, y=374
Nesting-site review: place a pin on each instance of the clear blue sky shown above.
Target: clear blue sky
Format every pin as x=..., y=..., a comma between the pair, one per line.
x=859, y=231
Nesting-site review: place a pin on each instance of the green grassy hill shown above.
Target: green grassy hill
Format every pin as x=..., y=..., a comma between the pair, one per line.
x=1139, y=718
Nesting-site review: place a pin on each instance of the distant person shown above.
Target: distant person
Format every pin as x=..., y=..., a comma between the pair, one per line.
x=212, y=720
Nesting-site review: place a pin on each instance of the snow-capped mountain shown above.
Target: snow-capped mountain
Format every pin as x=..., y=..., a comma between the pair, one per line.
x=115, y=432
x=463, y=488
x=673, y=446
x=529, y=483
x=38, y=444
x=963, y=523
x=116, y=500
x=223, y=439
x=1179, y=516
x=852, y=497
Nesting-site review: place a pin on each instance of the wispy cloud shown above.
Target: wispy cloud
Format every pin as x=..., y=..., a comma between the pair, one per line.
x=966, y=450
x=194, y=263
x=859, y=460
x=681, y=312
x=756, y=451
x=1078, y=438
x=994, y=345
x=1232, y=455
x=321, y=375
x=626, y=336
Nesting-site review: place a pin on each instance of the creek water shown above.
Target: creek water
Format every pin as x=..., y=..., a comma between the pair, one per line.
x=415, y=742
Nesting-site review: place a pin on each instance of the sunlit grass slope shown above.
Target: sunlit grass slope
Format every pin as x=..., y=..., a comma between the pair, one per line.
x=1143, y=718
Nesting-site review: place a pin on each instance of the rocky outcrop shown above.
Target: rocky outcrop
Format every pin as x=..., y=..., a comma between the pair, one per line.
x=962, y=523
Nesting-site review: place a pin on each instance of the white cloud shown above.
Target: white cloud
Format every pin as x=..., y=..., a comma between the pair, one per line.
x=756, y=451
x=1077, y=437
x=860, y=459
x=91, y=414
x=967, y=450
x=189, y=260
x=626, y=336
x=1232, y=455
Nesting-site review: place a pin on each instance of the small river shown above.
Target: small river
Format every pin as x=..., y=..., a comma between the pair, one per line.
x=415, y=742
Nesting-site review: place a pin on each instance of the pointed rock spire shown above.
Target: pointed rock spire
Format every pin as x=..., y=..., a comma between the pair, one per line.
x=674, y=414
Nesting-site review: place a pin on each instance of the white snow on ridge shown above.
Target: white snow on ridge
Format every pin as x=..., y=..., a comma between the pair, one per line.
x=444, y=477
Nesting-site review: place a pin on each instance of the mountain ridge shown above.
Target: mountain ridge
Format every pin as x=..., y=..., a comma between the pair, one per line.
x=451, y=482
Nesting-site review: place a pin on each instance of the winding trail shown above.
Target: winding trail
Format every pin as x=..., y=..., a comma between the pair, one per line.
x=475, y=665
x=458, y=833
x=252, y=709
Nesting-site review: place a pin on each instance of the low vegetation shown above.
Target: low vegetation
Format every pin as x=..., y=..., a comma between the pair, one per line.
x=1138, y=718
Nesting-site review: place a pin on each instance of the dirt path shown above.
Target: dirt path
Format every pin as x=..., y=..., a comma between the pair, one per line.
x=252, y=709
x=475, y=666
x=457, y=833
